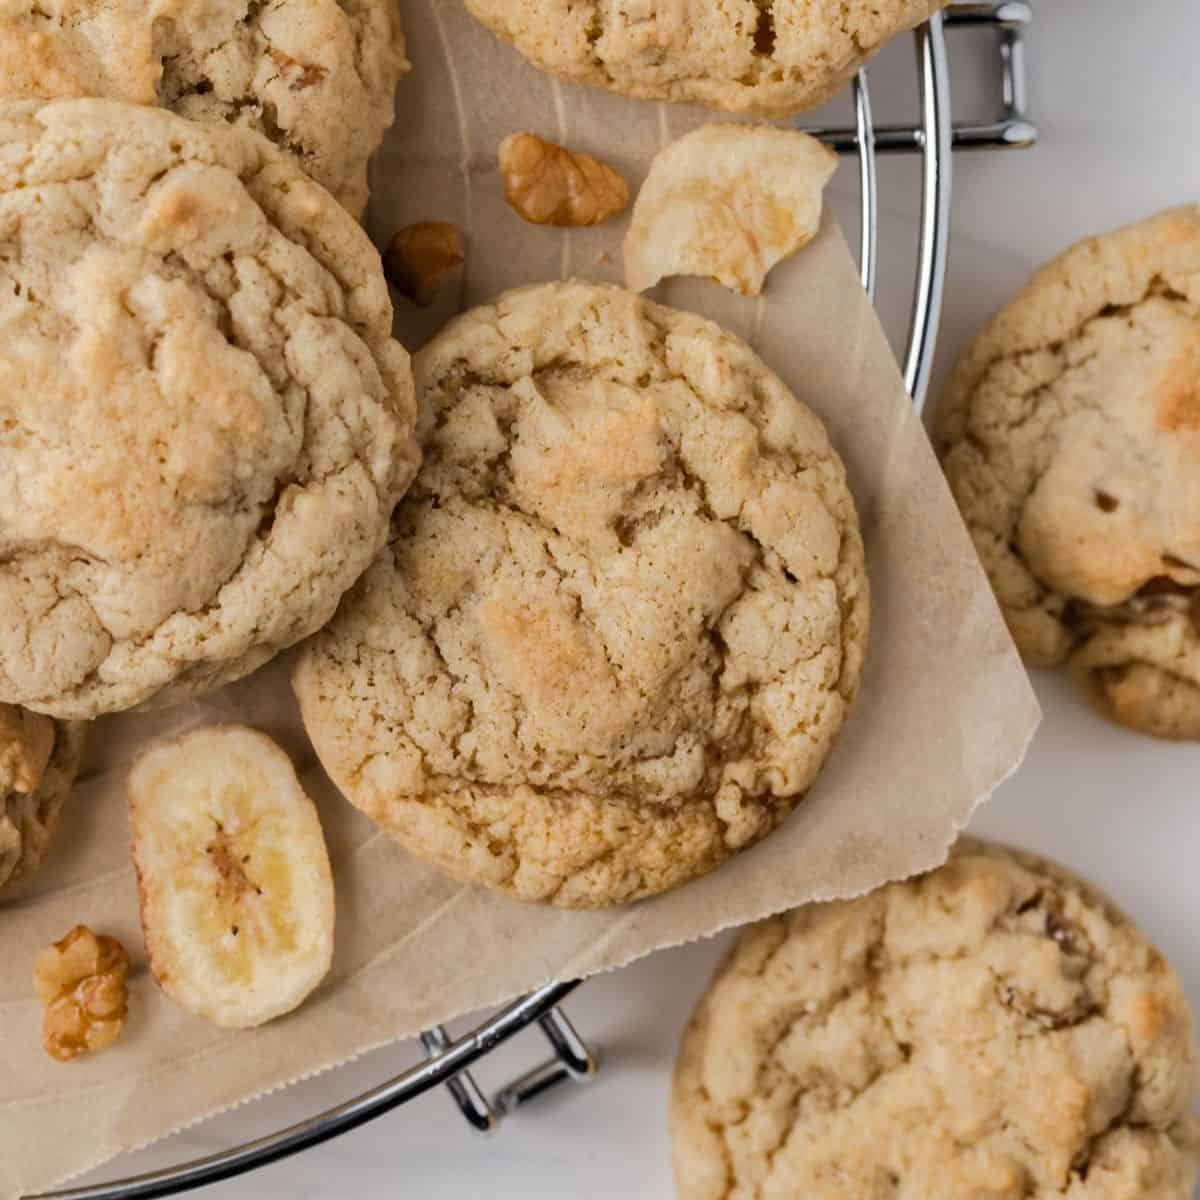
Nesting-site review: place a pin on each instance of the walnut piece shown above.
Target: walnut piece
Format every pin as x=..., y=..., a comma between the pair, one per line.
x=548, y=184
x=82, y=981
x=420, y=256
x=299, y=75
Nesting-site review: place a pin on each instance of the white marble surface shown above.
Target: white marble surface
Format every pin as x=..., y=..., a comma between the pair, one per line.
x=1116, y=90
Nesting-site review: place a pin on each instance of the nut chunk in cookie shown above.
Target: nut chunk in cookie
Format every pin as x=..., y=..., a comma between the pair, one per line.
x=622, y=613
x=991, y=1031
x=1070, y=434
x=204, y=420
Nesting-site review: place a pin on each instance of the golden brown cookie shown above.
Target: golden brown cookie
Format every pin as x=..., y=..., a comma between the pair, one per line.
x=38, y=761
x=1070, y=434
x=205, y=420
x=317, y=77
x=994, y=1030
x=770, y=58
x=622, y=614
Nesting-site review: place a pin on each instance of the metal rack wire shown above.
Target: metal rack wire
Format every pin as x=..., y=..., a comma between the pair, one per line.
x=934, y=136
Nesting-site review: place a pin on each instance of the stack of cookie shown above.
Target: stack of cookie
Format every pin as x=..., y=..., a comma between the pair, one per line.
x=618, y=624
x=608, y=639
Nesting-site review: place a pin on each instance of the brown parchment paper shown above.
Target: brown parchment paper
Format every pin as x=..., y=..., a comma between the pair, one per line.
x=945, y=711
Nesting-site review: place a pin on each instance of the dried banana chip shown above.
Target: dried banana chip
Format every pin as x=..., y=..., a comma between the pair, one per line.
x=236, y=889
x=729, y=202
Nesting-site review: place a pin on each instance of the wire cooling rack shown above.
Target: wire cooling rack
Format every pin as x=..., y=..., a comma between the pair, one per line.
x=934, y=136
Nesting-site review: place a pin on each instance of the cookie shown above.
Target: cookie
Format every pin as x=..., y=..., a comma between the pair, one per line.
x=1070, y=435
x=317, y=77
x=768, y=58
x=38, y=761
x=622, y=613
x=992, y=1031
x=206, y=422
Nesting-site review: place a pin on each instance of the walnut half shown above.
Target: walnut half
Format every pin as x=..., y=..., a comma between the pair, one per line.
x=548, y=184
x=82, y=981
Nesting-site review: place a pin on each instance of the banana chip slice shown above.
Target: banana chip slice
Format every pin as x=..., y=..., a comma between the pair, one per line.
x=236, y=890
x=729, y=202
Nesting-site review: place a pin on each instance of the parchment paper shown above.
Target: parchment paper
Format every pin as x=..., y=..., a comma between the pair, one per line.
x=945, y=712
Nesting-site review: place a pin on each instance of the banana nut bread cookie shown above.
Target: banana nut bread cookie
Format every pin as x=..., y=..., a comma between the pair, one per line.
x=770, y=58
x=38, y=761
x=317, y=77
x=992, y=1031
x=622, y=614
x=205, y=420
x=1071, y=438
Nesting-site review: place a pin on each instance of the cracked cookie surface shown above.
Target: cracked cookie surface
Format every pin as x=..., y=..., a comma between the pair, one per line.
x=316, y=77
x=1070, y=435
x=769, y=58
x=205, y=420
x=38, y=761
x=994, y=1030
x=622, y=613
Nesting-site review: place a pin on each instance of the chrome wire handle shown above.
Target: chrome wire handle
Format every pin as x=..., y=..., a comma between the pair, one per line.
x=935, y=208
x=1012, y=130
x=935, y=136
x=572, y=1060
x=868, y=184
x=449, y=1061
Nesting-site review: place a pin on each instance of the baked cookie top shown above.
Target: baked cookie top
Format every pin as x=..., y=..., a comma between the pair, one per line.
x=317, y=77
x=770, y=58
x=622, y=613
x=1070, y=434
x=992, y=1030
x=205, y=420
x=38, y=761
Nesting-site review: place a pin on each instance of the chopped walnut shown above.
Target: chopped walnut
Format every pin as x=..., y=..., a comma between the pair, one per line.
x=548, y=184
x=81, y=980
x=299, y=75
x=420, y=256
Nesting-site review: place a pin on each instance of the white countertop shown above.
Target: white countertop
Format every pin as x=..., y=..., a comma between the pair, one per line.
x=1116, y=91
